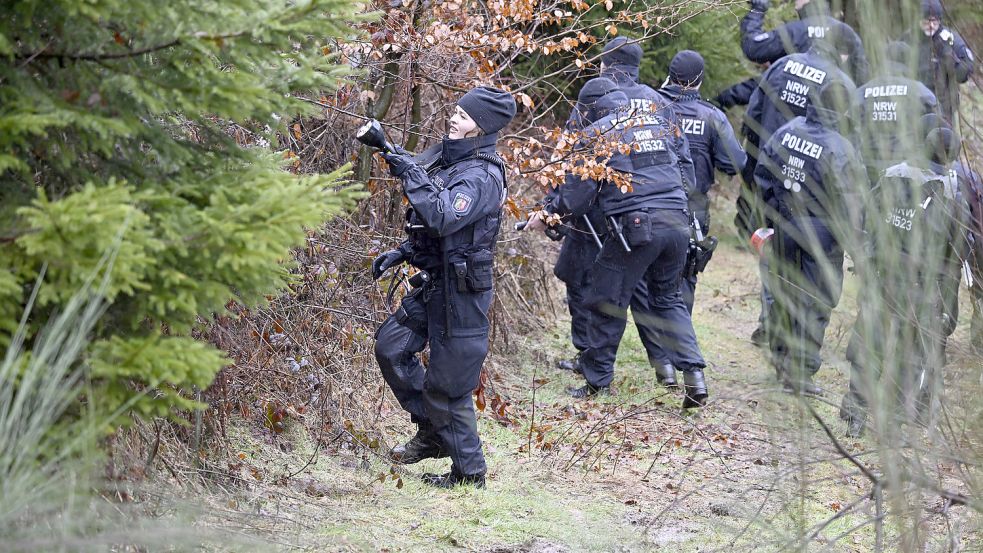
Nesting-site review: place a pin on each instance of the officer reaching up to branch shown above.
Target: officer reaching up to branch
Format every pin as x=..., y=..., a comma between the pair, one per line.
x=453, y=223
x=815, y=23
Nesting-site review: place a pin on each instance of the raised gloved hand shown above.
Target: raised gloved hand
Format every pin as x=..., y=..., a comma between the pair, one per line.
x=760, y=5
x=398, y=163
x=385, y=261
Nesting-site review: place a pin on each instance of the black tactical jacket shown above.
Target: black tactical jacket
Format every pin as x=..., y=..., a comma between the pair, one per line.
x=814, y=23
x=456, y=207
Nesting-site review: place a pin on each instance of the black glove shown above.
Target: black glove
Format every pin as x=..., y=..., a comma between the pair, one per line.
x=760, y=5
x=398, y=163
x=385, y=261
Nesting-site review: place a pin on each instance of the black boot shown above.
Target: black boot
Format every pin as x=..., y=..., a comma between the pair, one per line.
x=572, y=365
x=424, y=445
x=760, y=336
x=804, y=386
x=587, y=390
x=695, y=389
x=666, y=375
x=854, y=413
x=453, y=478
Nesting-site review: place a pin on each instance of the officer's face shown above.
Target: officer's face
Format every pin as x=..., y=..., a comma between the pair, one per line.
x=799, y=4
x=461, y=125
x=930, y=25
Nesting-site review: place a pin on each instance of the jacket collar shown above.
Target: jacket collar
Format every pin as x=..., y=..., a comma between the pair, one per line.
x=678, y=93
x=453, y=151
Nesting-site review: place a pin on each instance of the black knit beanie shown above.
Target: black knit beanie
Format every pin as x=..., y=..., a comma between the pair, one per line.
x=490, y=108
x=932, y=8
x=686, y=69
x=620, y=52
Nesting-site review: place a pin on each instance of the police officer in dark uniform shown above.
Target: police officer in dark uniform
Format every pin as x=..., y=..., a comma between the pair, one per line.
x=944, y=60
x=971, y=185
x=916, y=239
x=810, y=176
x=786, y=89
x=814, y=23
x=579, y=247
x=648, y=239
x=712, y=145
x=889, y=109
x=784, y=92
x=453, y=223
x=620, y=63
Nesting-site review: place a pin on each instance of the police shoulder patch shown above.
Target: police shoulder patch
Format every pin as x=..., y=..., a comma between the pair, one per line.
x=761, y=37
x=462, y=203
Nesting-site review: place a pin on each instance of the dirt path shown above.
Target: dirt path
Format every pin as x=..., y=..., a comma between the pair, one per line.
x=630, y=472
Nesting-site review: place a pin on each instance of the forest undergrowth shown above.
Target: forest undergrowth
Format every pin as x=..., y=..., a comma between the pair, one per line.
x=631, y=472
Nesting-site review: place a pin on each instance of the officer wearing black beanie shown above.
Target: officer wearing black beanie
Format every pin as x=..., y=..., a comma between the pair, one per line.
x=453, y=224
x=490, y=108
x=620, y=61
x=712, y=145
x=579, y=247
x=645, y=251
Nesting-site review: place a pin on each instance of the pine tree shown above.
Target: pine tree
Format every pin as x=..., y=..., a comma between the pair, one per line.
x=115, y=120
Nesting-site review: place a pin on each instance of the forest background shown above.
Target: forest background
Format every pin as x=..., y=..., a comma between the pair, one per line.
x=187, y=310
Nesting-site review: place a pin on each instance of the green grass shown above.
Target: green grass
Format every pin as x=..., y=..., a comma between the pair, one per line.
x=751, y=472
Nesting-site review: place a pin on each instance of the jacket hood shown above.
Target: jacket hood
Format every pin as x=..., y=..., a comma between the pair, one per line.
x=814, y=8
x=829, y=118
x=453, y=151
x=607, y=104
x=620, y=73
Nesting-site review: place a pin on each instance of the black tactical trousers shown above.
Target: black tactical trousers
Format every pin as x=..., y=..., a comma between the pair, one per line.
x=687, y=288
x=897, y=349
x=806, y=278
x=573, y=265
x=614, y=279
x=976, y=323
x=439, y=394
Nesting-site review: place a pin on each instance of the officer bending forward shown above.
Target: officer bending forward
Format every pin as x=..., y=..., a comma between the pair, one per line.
x=453, y=224
x=648, y=240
